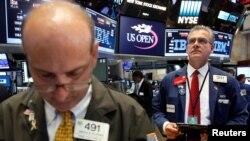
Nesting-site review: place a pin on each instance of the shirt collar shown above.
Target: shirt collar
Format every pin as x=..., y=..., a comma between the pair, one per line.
x=79, y=110
x=203, y=70
x=141, y=81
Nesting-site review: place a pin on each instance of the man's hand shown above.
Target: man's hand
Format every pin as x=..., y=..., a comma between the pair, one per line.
x=172, y=131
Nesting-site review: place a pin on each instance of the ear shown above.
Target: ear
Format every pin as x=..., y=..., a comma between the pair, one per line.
x=212, y=48
x=94, y=53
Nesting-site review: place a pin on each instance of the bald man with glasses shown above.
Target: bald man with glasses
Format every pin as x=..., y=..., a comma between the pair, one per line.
x=67, y=102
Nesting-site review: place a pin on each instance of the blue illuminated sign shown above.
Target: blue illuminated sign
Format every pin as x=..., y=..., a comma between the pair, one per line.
x=176, y=42
x=189, y=12
x=223, y=15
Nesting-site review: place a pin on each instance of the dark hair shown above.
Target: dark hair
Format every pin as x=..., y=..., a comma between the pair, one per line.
x=137, y=73
x=240, y=77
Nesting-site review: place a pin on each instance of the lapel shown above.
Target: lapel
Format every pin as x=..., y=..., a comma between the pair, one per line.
x=101, y=107
x=181, y=88
x=213, y=92
x=35, y=104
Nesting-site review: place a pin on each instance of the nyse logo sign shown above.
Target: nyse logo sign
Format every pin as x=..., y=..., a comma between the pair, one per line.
x=187, y=20
x=189, y=12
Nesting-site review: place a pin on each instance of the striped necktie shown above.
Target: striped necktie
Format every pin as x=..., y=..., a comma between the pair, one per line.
x=65, y=130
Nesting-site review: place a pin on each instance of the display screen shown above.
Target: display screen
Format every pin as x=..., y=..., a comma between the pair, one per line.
x=222, y=44
x=127, y=65
x=140, y=36
x=104, y=31
x=176, y=42
x=5, y=80
x=101, y=69
x=4, y=64
x=226, y=16
x=15, y=12
x=243, y=70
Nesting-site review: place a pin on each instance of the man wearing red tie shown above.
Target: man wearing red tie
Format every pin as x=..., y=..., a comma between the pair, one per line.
x=198, y=94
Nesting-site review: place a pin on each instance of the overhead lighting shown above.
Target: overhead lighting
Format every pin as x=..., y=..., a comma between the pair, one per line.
x=145, y=14
x=147, y=4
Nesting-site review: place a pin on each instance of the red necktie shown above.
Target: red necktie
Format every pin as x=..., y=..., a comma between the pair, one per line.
x=194, y=101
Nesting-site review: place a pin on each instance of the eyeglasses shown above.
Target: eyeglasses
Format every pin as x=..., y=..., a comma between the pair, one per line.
x=202, y=41
x=48, y=88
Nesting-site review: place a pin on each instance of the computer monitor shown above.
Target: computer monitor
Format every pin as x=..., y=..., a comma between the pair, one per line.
x=5, y=80
x=176, y=42
x=15, y=12
x=4, y=64
x=222, y=44
x=243, y=70
x=105, y=31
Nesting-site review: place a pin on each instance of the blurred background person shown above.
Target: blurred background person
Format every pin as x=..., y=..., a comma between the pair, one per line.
x=143, y=91
x=244, y=91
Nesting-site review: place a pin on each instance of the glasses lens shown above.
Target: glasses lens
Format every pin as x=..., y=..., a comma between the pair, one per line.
x=45, y=88
x=202, y=41
x=192, y=41
x=76, y=87
x=69, y=87
x=199, y=40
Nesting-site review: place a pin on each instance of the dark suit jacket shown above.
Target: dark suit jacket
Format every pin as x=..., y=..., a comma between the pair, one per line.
x=145, y=96
x=231, y=112
x=127, y=120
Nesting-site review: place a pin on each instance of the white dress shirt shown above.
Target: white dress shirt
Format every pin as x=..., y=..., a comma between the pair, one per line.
x=53, y=118
x=204, y=94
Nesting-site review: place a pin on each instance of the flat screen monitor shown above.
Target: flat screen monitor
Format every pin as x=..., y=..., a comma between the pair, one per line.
x=226, y=17
x=140, y=36
x=222, y=44
x=4, y=64
x=3, y=73
x=127, y=65
x=15, y=12
x=176, y=42
x=243, y=70
x=101, y=69
x=5, y=80
x=104, y=31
